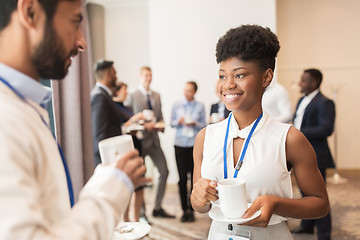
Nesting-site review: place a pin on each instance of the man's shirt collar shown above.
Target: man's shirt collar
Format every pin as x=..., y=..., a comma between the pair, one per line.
x=25, y=85
x=105, y=88
x=143, y=90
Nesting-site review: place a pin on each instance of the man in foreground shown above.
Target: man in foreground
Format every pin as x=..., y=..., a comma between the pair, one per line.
x=37, y=40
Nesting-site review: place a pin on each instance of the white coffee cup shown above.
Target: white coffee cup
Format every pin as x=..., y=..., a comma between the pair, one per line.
x=188, y=119
x=111, y=147
x=148, y=114
x=232, y=197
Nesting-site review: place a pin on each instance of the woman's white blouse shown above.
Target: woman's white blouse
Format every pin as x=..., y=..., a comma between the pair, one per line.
x=264, y=167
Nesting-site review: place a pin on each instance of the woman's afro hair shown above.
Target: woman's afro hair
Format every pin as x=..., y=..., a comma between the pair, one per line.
x=249, y=42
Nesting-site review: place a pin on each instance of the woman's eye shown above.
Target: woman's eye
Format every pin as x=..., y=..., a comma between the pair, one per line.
x=240, y=75
x=221, y=77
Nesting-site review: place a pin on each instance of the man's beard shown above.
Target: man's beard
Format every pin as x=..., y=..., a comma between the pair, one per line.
x=49, y=59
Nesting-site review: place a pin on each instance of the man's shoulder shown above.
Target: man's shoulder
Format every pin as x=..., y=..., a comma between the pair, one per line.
x=136, y=93
x=322, y=98
x=97, y=92
x=200, y=103
x=178, y=103
x=155, y=92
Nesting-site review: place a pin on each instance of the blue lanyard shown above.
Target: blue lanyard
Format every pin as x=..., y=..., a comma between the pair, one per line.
x=240, y=162
x=69, y=184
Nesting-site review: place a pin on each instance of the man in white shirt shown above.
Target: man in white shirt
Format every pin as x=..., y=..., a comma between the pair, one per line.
x=276, y=102
x=38, y=40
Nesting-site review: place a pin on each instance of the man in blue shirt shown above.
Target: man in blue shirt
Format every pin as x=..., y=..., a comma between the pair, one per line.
x=38, y=39
x=188, y=117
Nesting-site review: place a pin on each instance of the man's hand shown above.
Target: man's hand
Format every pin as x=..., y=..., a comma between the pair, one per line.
x=133, y=166
x=149, y=126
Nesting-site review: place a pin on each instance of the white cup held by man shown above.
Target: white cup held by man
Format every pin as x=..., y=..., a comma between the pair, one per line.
x=148, y=114
x=233, y=198
x=111, y=147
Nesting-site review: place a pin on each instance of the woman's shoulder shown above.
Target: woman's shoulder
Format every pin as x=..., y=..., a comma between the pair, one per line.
x=218, y=127
x=276, y=128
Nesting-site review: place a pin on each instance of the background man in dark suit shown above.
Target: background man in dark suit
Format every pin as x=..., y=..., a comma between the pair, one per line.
x=314, y=117
x=139, y=100
x=105, y=115
x=220, y=109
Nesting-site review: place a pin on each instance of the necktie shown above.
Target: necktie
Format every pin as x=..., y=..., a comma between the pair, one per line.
x=148, y=101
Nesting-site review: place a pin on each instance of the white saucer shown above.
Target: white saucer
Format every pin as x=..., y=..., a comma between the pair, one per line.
x=139, y=231
x=216, y=214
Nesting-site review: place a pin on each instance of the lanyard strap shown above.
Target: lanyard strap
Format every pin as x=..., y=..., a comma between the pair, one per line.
x=242, y=156
x=67, y=172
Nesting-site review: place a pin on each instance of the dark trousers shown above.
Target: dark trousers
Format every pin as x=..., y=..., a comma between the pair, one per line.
x=323, y=225
x=185, y=165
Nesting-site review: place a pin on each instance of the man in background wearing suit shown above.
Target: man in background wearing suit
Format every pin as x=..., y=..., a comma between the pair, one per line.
x=314, y=117
x=139, y=100
x=105, y=115
x=218, y=111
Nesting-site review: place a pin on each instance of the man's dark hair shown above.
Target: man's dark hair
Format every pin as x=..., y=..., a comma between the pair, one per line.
x=315, y=74
x=9, y=6
x=195, y=86
x=247, y=43
x=102, y=64
x=100, y=67
x=6, y=9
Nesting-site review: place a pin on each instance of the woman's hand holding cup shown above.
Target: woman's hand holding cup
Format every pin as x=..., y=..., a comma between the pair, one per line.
x=204, y=191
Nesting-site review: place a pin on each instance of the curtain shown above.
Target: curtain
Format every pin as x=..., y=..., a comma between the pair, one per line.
x=72, y=111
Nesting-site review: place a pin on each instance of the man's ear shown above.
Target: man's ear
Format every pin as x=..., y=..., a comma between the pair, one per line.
x=268, y=76
x=29, y=12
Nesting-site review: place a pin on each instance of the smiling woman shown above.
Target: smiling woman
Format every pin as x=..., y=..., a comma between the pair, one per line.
x=247, y=59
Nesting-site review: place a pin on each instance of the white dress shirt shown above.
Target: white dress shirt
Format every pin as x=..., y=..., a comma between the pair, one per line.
x=302, y=106
x=105, y=88
x=276, y=102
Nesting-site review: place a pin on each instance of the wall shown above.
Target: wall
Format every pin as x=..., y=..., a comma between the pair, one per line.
x=325, y=35
x=127, y=38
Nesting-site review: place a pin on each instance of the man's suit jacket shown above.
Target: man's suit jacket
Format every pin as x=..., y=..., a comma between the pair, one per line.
x=215, y=109
x=106, y=119
x=138, y=102
x=317, y=124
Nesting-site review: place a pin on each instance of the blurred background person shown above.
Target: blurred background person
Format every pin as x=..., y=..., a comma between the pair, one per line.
x=276, y=102
x=145, y=99
x=188, y=117
x=315, y=117
x=106, y=117
x=218, y=111
x=130, y=126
